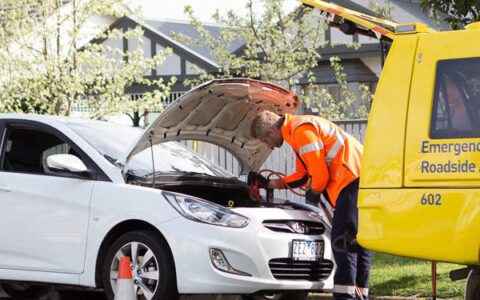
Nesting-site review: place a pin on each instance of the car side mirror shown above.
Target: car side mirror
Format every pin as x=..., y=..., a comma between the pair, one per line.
x=68, y=163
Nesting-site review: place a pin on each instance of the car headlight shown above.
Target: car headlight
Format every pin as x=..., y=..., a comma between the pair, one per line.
x=200, y=210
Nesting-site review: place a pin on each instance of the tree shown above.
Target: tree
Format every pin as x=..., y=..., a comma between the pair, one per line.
x=279, y=47
x=457, y=13
x=53, y=59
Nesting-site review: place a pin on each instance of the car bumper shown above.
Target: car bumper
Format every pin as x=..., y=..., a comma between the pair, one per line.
x=248, y=250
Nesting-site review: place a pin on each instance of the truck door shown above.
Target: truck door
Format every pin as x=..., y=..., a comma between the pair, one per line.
x=442, y=150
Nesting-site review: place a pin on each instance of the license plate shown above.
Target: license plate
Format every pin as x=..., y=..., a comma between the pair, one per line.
x=307, y=250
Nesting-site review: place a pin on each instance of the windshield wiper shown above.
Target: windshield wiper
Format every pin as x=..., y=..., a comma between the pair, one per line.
x=109, y=158
x=181, y=173
x=199, y=174
x=114, y=161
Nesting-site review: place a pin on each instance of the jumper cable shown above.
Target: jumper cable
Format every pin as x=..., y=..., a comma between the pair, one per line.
x=255, y=191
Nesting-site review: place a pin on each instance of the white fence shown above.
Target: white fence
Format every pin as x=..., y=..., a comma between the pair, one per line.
x=280, y=160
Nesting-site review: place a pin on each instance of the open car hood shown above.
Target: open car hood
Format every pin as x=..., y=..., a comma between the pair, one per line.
x=220, y=112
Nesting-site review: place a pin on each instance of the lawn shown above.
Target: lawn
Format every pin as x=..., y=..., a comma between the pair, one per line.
x=399, y=276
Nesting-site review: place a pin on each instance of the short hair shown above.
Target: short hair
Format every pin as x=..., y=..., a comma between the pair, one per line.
x=263, y=121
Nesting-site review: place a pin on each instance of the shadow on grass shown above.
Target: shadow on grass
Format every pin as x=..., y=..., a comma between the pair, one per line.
x=404, y=283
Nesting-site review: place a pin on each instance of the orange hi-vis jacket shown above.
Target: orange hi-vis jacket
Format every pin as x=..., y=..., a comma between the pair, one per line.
x=326, y=154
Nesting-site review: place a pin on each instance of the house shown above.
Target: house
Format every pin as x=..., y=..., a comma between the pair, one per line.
x=361, y=66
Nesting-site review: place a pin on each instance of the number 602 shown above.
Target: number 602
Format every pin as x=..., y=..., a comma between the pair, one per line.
x=431, y=199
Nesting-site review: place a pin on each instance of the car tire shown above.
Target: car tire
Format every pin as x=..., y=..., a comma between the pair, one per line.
x=25, y=290
x=472, y=287
x=278, y=296
x=154, y=279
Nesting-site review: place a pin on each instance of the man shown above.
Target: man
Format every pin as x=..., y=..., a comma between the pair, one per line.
x=331, y=160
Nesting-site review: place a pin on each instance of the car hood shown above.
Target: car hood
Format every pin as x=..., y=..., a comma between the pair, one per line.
x=220, y=112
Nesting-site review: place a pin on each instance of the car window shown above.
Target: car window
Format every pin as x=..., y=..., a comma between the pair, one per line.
x=26, y=150
x=456, y=104
x=63, y=148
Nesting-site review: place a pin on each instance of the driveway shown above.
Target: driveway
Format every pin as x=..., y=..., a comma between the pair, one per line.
x=76, y=295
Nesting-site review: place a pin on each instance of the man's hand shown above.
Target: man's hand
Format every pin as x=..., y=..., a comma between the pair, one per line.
x=262, y=181
x=312, y=198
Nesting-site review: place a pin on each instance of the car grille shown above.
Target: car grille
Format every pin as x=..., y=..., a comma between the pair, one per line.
x=293, y=226
x=286, y=268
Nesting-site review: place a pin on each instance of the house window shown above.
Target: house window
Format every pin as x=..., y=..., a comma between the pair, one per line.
x=111, y=45
x=133, y=44
x=456, y=102
x=191, y=68
x=171, y=65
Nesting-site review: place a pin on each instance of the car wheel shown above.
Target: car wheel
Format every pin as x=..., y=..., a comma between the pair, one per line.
x=153, y=270
x=25, y=290
x=472, y=287
x=278, y=296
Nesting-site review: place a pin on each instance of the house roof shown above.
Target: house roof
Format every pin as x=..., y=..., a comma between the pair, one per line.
x=165, y=40
x=166, y=27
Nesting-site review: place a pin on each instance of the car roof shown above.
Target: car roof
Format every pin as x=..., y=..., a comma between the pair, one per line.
x=51, y=119
x=40, y=118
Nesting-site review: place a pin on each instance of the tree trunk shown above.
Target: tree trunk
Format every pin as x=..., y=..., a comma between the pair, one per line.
x=136, y=119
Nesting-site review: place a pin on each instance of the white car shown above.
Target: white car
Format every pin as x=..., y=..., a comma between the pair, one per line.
x=76, y=195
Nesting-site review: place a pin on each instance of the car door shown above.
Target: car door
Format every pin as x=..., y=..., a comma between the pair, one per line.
x=43, y=215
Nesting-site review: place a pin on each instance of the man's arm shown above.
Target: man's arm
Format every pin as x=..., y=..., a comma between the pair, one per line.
x=294, y=180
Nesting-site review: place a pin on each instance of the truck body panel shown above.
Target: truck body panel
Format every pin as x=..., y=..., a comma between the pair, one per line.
x=448, y=230
x=431, y=211
x=420, y=180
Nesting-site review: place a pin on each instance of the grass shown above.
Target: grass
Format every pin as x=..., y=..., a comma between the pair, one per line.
x=399, y=276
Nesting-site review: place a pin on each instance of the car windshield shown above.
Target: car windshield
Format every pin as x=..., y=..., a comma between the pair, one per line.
x=112, y=140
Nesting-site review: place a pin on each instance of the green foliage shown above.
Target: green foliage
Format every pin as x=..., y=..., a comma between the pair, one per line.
x=279, y=47
x=458, y=13
x=49, y=64
x=382, y=11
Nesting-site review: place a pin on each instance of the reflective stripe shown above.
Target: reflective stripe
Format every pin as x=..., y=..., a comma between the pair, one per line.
x=310, y=147
x=364, y=291
x=304, y=120
x=325, y=127
x=336, y=148
x=344, y=289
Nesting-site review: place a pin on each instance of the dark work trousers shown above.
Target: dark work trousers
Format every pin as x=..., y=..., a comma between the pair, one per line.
x=352, y=268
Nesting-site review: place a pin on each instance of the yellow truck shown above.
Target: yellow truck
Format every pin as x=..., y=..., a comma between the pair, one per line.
x=420, y=182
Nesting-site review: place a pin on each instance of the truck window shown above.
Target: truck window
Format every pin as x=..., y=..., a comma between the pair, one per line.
x=456, y=103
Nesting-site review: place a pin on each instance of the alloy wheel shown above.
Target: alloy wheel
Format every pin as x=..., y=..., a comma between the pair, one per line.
x=144, y=266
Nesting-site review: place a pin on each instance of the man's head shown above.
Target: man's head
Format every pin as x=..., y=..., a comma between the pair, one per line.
x=266, y=127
